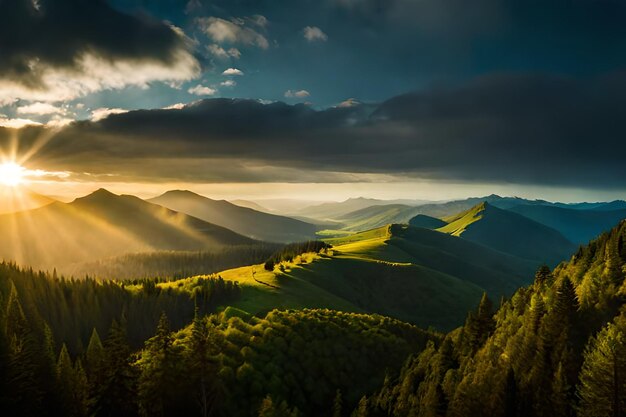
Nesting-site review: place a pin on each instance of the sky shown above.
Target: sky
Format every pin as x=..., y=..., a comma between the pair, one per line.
x=317, y=100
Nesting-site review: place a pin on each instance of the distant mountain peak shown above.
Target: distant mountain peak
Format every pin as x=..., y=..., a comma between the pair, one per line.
x=184, y=194
x=360, y=199
x=102, y=191
x=99, y=193
x=179, y=192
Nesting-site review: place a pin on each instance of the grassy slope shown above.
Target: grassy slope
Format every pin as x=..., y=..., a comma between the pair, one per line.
x=511, y=233
x=418, y=275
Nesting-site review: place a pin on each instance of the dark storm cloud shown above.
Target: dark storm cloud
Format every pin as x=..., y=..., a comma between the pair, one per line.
x=40, y=39
x=530, y=129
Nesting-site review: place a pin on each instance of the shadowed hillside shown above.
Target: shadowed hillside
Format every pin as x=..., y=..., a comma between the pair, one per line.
x=510, y=233
x=427, y=222
x=243, y=220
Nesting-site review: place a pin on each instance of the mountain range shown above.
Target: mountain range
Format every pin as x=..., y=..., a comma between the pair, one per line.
x=103, y=224
x=246, y=221
x=509, y=232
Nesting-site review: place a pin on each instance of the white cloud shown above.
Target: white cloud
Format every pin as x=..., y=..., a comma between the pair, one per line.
x=313, y=34
x=93, y=73
x=40, y=109
x=221, y=53
x=201, y=90
x=234, y=31
x=351, y=102
x=104, y=112
x=176, y=106
x=232, y=71
x=58, y=121
x=17, y=123
x=297, y=94
x=259, y=20
x=228, y=83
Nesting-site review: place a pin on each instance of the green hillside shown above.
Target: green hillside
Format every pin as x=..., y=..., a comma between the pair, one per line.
x=103, y=225
x=246, y=221
x=414, y=274
x=579, y=226
x=511, y=233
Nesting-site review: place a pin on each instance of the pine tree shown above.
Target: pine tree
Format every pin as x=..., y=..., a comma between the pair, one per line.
x=269, y=409
x=362, y=410
x=158, y=381
x=25, y=391
x=81, y=393
x=118, y=393
x=602, y=387
x=337, y=404
x=72, y=401
x=479, y=324
x=543, y=275
x=203, y=346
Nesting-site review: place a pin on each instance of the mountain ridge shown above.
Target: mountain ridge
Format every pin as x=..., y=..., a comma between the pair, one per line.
x=246, y=221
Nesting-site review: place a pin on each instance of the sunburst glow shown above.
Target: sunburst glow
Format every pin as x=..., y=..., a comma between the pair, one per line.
x=11, y=174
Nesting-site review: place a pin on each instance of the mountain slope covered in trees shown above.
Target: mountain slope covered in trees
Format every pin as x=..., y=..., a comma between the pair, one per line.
x=556, y=348
x=70, y=348
x=246, y=221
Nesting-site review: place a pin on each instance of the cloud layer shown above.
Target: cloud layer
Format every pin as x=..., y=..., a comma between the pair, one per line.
x=526, y=129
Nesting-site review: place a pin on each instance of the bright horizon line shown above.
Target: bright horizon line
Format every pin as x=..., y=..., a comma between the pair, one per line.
x=337, y=194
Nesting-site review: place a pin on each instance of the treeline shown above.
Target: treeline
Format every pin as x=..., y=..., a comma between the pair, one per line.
x=292, y=250
x=73, y=308
x=173, y=264
x=557, y=348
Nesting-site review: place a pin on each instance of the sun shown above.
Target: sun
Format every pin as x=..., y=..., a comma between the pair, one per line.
x=11, y=174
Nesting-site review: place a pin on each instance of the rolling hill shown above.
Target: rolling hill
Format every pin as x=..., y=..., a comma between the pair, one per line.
x=243, y=220
x=101, y=225
x=579, y=226
x=376, y=216
x=511, y=233
x=418, y=275
x=337, y=210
